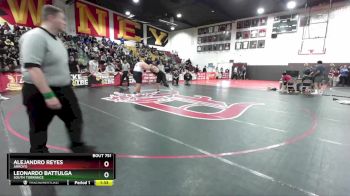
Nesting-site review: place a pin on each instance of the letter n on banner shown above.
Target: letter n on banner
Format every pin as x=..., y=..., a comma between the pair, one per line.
x=91, y=20
x=22, y=12
x=127, y=29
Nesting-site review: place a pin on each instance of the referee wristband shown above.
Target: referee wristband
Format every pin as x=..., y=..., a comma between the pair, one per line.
x=49, y=95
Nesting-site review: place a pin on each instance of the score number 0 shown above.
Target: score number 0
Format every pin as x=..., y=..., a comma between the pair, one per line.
x=106, y=164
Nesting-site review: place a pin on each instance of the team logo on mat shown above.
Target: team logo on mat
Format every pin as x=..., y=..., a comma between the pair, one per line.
x=163, y=102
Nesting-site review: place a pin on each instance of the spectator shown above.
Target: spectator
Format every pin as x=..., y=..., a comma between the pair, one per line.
x=205, y=69
x=5, y=26
x=103, y=58
x=167, y=68
x=284, y=81
x=344, y=74
x=307, y=70
x=109, y=68
x=235, y=72
x=176, y=76
x=161, y=66
x=73, y=65
x=243, y=72
x=95, y=48
x=187, y=78
x=333, y=76
x=93, y=66
x=197, y=69
x=319, y=77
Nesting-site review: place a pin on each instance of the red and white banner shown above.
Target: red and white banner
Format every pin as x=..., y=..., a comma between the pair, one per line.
x=206, y=76
x=91, y=20
x=22, y=12
x=103, y=79
x=211, y=75
x=10, y=82
x=147, y=78
x=225, y=76
x=201, y=76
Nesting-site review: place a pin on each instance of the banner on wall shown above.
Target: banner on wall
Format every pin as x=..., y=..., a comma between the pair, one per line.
x=206, y=76
x=79, y=80
x=127, y=29
x=91, y=20
x=147, y=77
x=211, y=75
x=103, y=79
x=156, y=36
x=10, y=82
x=225, y=75
x=22, y=12
x=201, y=76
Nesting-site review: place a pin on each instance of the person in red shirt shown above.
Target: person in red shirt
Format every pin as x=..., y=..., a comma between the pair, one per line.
x=284, y=80
x=333, y=76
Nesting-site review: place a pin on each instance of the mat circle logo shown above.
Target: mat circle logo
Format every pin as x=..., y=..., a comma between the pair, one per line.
x=161, y=101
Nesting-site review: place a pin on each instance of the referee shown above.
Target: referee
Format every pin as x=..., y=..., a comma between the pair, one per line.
x=46, y=90
x=126, y=72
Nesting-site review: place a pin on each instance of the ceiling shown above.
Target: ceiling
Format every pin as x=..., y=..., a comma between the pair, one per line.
x=198, y=12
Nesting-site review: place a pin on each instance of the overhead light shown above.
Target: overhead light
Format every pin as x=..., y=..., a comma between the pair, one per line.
x=291, y=5
x=172, y=28
x=136, y=1
x=212, y=11
x=261, y=10
x=127, y=13
x=179, y=15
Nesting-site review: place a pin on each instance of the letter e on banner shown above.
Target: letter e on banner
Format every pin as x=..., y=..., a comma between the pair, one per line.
x=126, y=29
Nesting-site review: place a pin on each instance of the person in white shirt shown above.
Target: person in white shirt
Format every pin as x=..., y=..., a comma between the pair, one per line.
x=110, y=68
x=104, y=58
x=95, y=48
x=235, y=72
x=93, y=66
x=139, y=68
x=161, y=66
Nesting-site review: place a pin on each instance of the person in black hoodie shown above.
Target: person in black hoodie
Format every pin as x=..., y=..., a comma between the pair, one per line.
x=187, y=78
x=176, y=75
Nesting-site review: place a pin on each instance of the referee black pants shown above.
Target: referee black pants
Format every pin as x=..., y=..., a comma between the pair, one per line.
x=161, y=78
x=40, y=116
x=125, y=75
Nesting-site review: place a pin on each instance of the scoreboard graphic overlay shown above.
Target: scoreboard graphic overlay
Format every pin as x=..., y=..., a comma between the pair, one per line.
x=61, y=169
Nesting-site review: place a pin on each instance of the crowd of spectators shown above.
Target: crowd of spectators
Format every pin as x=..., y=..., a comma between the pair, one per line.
x=83, y=49
x=339, y=75
x=9, y=55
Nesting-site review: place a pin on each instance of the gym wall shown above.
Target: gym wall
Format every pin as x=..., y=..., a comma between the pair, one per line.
x=278, y=54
